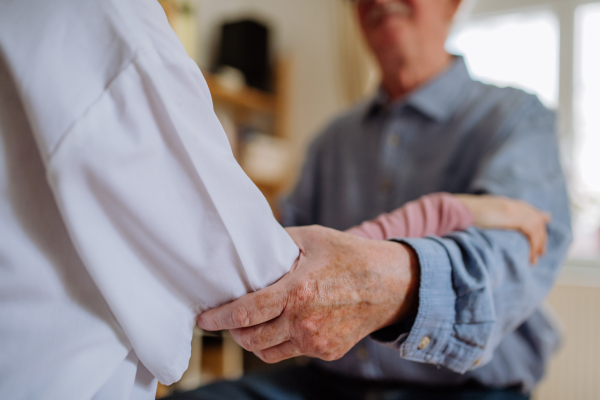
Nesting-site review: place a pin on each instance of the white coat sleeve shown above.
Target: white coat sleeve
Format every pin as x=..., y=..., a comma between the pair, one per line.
x=163, y=217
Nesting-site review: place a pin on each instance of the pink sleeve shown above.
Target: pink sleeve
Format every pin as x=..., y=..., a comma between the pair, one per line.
x=435, y=214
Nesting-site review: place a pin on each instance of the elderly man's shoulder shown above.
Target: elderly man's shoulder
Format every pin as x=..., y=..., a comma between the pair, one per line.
x=504, y=101
x=499, y=112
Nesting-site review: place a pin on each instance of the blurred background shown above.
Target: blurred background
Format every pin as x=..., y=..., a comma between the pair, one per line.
x=309, y=64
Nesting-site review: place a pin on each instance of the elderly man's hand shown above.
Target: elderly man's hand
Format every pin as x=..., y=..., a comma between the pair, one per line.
x=341, y=289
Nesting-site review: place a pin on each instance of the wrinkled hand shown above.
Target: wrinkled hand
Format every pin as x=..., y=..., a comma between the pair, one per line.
x=495, y=212
x=341, y=289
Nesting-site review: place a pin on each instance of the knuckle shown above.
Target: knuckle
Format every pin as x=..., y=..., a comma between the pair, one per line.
x=269, y=358
x=332, y=356
x=320, y=346
x=240, y=317
x=263, y=356
x=309, y=328
x=248, y=342
x=540, y=223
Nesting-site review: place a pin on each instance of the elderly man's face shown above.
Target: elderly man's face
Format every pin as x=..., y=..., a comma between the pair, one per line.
x=391, y=24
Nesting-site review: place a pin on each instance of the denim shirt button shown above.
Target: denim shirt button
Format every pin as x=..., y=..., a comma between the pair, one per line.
x=424, y=343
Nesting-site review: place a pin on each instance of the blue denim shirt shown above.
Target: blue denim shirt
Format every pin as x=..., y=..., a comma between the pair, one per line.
x=480, y=304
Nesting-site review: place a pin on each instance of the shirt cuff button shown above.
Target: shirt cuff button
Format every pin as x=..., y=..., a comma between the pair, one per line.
x=424, y=343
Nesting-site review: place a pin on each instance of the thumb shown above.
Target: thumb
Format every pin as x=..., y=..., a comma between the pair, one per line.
x=249, y=310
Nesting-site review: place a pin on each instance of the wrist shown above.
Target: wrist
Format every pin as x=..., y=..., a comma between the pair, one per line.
x=402, y=286
x=413, y=269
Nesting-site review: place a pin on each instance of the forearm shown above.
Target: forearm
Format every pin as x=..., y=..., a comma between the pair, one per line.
x=435, y=214
x=476, y=287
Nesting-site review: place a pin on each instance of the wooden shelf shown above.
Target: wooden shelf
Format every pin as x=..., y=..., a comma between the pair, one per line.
x=246, y=99
x=249, y=105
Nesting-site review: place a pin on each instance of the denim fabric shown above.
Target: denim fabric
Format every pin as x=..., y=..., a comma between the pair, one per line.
x=480, y=300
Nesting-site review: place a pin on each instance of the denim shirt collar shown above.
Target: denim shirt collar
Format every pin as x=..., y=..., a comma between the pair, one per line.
x=437, y=99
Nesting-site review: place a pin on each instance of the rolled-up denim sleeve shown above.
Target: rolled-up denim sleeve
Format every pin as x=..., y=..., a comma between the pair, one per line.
x=477, y=286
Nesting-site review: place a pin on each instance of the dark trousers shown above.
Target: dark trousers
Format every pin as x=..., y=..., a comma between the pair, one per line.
x=311, y=383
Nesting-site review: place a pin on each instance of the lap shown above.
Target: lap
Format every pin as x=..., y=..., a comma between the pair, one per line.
x=311, y=383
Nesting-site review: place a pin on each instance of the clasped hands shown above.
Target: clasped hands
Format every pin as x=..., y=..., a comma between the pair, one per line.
x=342, y=288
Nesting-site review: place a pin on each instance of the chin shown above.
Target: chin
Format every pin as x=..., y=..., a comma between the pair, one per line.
x=389, y=31
x=387, y=39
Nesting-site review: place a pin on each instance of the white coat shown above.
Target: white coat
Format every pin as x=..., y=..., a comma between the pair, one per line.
x=123, y=213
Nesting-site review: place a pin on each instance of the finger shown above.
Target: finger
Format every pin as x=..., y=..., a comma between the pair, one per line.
x=535, y=244
x=543, y=243
x=537, y=236
x=262, y=336
x=545, y=248
x=279, y=353
x=533, y=240
x=547, y=217
x=542, y=228
x=547, y=220
x=249, y=310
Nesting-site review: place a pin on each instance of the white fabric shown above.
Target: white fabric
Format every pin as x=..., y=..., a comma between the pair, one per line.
x=123, y=213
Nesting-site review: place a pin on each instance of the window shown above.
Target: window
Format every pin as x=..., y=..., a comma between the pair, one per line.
x=586, y=111
x=517, y=49
x=519, y=45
